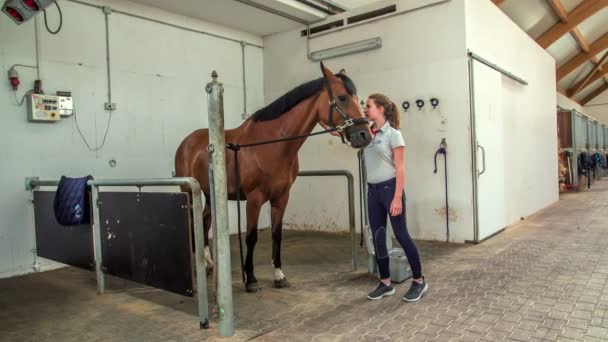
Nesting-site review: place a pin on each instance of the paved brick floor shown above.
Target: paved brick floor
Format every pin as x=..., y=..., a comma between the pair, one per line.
x=544, y=279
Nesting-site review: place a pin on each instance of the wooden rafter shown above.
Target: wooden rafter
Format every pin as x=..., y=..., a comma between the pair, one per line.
x=594, y=94
x=583, y=11
x=559, y=9
x=596, y=47
x=598, y=72
x=580, y=40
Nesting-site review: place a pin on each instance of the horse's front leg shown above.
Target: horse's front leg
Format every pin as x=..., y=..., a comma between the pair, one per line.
x=278, y=207
x=254, y=204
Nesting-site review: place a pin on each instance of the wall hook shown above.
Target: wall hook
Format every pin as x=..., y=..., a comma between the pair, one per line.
x=420, y=104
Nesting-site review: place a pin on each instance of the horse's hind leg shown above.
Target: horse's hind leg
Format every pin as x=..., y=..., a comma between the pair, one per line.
x=278, y=207
x=206, y=228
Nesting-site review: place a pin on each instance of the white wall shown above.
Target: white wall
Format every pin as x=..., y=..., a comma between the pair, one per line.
x=158, y=79
x=410, y=65
x=598, y=108
x=565, y=103
x=529, y=121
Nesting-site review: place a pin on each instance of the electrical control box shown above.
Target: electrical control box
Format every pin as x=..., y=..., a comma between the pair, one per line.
x=48, y=108
x=66, y=106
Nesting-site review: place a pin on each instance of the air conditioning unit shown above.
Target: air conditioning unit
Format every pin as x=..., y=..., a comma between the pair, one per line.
x=21, y=11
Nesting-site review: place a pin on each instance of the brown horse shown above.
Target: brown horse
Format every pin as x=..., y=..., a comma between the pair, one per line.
x=267, y=172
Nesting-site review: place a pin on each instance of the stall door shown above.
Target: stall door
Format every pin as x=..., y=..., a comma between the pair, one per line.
x=488, y=94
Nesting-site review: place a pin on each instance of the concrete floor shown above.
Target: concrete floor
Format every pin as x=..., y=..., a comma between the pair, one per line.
x=544, y=279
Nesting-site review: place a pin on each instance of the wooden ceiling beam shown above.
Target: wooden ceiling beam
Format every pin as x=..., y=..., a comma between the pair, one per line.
x=583, y=11
x=596, y=47
x=598, y=72
x=559, y=9
x=594, y=94
x=580, y=40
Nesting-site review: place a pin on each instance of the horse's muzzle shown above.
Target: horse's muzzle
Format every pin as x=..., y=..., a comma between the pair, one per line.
x=359, y=136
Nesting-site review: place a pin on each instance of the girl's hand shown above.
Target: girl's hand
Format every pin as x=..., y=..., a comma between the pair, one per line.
x=396, y=206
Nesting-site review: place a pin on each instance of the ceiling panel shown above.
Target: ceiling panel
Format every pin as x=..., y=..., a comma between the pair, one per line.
x=589, y=89
x=229, y=13
x=350, y=4
x=564, y=49
x=576, y=75
x=601, y=54
x=532, y=16
x=595, y=26
x=570, y=5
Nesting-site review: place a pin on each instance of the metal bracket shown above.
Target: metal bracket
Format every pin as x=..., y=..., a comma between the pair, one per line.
x=107, y=9
x=28, y=183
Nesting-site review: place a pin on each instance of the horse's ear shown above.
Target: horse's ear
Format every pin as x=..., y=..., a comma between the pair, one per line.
x=326, y=72
x=342, y=71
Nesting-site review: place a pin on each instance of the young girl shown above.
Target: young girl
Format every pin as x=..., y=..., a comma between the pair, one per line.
x=385, y=177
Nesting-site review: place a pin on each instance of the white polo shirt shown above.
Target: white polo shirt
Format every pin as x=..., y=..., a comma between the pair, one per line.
x=378, y=154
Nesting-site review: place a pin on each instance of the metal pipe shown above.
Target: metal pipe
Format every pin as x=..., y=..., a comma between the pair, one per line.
x=497, y=68
x=98, y=259
x=217, y=142
x=473, y=150
x=37, y=41
x=166, y=23
x=243, y=45
x=328, y=8
x=32, y=183
x=351, y=204
x=106, y=12
x=273, y=11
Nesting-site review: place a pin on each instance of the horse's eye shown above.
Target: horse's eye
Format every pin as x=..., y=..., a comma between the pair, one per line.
x=342, y=98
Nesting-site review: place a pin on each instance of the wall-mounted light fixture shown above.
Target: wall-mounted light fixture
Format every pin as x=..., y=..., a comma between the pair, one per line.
x=21, y=11
x=347, y=49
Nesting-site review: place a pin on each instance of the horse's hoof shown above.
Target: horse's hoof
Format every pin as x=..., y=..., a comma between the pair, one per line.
x=252, y=287
x=279, y=284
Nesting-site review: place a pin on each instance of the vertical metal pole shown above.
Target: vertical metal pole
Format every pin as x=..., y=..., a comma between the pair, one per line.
x=213, y=215
x=371, y=259
x=574, y=160
x=201, y=267
x=97, y=240
x=217, y=140
x=351, y=221
x=244, y=116
x=474, y=172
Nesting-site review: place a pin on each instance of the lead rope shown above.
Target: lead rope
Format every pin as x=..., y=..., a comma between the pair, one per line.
x=236, y=148
x=359, y=155
x=442, y=150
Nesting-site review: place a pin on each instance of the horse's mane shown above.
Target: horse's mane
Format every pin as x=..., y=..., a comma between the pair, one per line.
x=290, y=99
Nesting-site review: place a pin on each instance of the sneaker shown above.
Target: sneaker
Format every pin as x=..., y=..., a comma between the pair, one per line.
x=416, y=291
x=381, y=291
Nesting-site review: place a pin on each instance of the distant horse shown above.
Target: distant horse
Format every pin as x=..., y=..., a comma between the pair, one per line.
x=267, y=172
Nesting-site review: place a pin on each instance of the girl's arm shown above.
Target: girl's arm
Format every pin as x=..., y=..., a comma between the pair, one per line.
x=398, y=157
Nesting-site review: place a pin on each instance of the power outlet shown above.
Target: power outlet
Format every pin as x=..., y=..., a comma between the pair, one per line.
x=110, y=106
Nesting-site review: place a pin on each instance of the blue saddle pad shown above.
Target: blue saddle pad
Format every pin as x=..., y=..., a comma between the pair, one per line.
x=71, y=204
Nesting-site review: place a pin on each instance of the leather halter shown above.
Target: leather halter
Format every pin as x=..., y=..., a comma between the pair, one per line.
x=347, y=120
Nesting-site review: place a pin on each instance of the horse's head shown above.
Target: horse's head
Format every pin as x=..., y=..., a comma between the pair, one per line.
x=340, y=109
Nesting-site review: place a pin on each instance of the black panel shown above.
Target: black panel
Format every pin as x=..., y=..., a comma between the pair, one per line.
x=71, y=245
x=145, y=238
